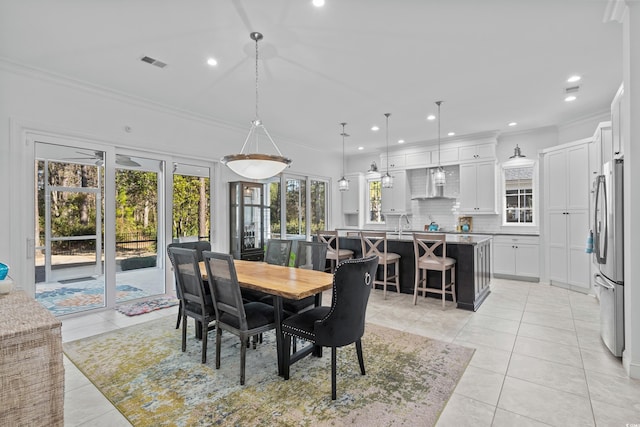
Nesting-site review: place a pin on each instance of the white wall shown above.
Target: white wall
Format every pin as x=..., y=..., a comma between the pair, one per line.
x=630, y=110
x=33, y=100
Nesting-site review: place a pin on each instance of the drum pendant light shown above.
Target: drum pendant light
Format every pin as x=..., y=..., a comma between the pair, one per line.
x=256, y=165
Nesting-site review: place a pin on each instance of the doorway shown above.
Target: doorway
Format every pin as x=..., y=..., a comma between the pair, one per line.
x=72, y=272
x=69, y=228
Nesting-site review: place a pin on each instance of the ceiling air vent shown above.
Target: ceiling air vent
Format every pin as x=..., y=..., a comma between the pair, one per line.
x=153, y=61
x=572, y=89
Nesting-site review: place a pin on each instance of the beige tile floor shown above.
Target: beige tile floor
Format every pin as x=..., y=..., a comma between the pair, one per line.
x=539, y=360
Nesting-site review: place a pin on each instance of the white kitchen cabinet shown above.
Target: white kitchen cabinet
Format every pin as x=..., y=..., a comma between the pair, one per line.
x=568, y=262
x=478, y=152
x=567, y=188
x=396, y=161
x=351, y=197
x=478, y=188
x=397, y=200
x=446, y=155
x=517, y=257
x=617, y=124
x=418, y=160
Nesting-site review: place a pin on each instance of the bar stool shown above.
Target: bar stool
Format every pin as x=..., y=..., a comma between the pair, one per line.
x=334, y=253
x=424, y=247
x=375, y=243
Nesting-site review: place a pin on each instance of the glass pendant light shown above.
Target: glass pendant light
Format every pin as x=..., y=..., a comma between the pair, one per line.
x=256, y=165
x=387, y=180
x=343, y=183
x=439, y=176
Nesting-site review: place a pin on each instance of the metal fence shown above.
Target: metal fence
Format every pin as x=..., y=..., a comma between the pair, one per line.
x=138, y=241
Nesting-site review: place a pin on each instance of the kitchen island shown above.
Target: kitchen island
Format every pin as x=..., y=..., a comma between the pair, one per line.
x=472, y=253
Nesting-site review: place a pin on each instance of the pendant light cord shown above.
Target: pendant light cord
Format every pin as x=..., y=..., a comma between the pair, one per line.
x=387, y=119
x=439, y=102
x=257, y=38
x=343, y=135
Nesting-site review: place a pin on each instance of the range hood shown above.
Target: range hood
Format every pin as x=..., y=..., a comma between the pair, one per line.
x=432, y=191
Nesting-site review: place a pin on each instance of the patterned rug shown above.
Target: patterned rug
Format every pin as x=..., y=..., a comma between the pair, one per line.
x=66, y=300
x=142, y=371
x=141, y=307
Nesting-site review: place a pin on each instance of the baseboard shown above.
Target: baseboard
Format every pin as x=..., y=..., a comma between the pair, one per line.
x=633, y=369
x=514, y=277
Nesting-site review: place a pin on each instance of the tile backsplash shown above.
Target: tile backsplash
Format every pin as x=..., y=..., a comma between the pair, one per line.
x=443, y=211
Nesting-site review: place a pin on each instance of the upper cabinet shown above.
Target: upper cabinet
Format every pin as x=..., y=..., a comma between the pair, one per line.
x=451, y=153
x=478, y=188
x=418, y=160
x=567, y=173
x=617, y=124
x=396, y=161
x=351, y=197
x=397, y=200
x=478, y=152
x=446, y=155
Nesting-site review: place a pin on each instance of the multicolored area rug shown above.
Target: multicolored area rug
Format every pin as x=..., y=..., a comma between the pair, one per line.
x=67, y=300
x=141, y=307
x=142, y=371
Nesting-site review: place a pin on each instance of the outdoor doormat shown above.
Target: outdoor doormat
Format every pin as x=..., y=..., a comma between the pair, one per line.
x=141, y=307
x=143, y=372
x=64, y=300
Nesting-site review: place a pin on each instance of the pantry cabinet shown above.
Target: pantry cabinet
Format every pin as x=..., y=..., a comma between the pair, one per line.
x=567, y=215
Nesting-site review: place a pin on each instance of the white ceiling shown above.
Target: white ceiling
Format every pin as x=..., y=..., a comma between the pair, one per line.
x=491, y=61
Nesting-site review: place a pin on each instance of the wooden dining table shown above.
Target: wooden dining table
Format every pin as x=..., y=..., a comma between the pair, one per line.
x=281, y=282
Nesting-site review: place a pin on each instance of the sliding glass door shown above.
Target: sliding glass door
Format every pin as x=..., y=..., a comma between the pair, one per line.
x=69, y=228
x=191, y=203
x=139, y=194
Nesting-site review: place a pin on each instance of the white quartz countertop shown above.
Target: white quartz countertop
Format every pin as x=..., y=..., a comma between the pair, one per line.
x=459, y=238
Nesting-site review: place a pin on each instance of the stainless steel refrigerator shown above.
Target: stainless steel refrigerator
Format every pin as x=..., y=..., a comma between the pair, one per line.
x=609, y=254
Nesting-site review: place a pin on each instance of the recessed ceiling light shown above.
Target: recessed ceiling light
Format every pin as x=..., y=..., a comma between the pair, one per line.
x=570, y=98
x=431, y=117
x=212, y=62
x=375, y=128
x=361, y=148
x=574, y=78
x=318, y=3
x=401, y=141
x=451, y=133
x=513, y=124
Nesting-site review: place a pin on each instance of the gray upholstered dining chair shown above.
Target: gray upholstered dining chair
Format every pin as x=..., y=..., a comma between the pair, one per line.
x=278, y=252
x=199, y=246
x=196, y=303
x=232, y=313
x=342, y=323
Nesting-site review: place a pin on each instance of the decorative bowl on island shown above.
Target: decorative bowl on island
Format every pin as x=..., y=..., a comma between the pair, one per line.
x=6, y=286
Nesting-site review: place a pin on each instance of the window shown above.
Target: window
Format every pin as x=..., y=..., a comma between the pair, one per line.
x=519, y=193
x=273, y=213
x=374, y=201
x=296, y=203
x=304, y=211
x=318, y=205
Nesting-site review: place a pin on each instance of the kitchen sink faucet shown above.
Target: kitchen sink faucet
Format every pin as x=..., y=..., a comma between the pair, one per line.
x=406, y=218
